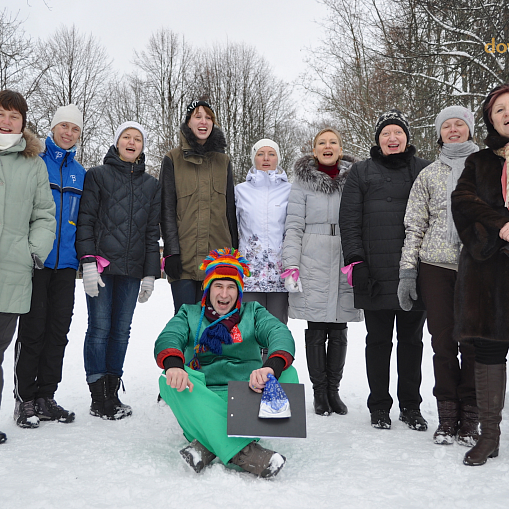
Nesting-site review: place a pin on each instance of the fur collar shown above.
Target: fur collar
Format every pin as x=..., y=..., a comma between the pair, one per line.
x=393, y=161
x=310, y=177
x=33, y=145
x=495, y=141
x=216, y=142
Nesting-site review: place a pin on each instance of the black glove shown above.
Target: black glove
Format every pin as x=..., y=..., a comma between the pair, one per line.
x=173, y=266
x=38, y=263
x=360, y=277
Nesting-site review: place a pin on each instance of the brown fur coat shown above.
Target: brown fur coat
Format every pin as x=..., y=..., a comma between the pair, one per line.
x=482, y=289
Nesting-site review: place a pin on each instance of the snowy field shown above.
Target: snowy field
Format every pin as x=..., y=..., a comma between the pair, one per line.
x=135, y=464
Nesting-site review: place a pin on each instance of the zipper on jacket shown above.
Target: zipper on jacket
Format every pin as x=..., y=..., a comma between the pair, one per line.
x=61, y=209
x=130, y=222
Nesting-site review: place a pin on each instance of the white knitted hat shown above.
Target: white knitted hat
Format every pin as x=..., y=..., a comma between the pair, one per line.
x=265, y=142
x=69, y=113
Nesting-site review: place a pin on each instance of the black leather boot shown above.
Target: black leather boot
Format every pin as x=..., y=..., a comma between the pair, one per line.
x=490, y=382
x=121, y=410
x=102, y=405
x=317, y=367
x=336, y=355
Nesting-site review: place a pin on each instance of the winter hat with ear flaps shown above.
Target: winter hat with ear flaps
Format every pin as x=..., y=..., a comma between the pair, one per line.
x=130, y=125
x=265, y=143
x=391, y=117
x=223, y=264
x=69, y=113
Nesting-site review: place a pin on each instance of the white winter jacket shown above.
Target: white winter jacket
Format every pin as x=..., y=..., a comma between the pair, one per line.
x=261, y=203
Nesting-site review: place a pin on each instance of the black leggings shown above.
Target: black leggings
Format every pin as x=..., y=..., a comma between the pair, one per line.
x=490, y=352
x=326, y=326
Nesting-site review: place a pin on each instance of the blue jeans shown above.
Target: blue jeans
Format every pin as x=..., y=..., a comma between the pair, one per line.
x=109, y=323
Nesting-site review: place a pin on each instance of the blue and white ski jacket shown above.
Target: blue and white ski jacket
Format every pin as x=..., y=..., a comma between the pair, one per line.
x=66, y=177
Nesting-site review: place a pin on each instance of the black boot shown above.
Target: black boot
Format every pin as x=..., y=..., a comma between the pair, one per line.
x=448, y=422
x=490, y=382
x=102, y=405
x=336, y=355
x=317, y=367
x=121, y=410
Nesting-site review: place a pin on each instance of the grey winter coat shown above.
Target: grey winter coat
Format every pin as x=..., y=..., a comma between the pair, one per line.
x=313, y=244
x=27, y=221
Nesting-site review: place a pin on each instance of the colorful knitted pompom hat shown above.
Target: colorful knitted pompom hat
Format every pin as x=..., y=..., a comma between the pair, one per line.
x=224, y=263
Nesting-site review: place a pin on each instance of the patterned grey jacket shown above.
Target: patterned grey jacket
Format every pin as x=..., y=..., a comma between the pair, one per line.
x=425, y=220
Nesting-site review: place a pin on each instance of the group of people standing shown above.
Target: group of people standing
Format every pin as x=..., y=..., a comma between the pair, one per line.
x=393, y=240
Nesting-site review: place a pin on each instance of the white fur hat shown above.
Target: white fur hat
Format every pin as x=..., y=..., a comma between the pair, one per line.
x=69, y=113
x=265, y=142
x=130, y=125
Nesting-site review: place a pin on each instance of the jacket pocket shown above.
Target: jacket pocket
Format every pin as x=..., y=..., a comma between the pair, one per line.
x=74, y=205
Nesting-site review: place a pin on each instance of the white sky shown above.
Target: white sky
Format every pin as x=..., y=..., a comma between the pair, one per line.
x=281, y=30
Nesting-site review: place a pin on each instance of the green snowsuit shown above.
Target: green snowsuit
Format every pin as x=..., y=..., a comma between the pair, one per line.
x=202, y=413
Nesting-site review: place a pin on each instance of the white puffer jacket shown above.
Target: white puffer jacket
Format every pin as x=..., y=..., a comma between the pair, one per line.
x=261, y=203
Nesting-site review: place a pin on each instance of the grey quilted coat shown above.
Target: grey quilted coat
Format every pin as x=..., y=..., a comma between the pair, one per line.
x=313, y=244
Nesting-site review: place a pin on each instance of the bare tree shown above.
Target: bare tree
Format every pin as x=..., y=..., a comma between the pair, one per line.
x=250, y=102
x=78, y=73
x=17, y=58
x=167, y=66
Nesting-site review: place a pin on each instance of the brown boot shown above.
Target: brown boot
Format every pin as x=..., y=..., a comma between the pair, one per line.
x=448, y=417
x=468, y=434
x=197, y=456
x=259, y=461
x=490, y=382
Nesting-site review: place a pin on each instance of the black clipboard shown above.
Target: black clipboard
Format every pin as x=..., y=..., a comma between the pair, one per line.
x=244, y=405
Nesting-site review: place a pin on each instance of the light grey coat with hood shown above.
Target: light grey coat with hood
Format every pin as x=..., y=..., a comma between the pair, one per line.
x=313, y=244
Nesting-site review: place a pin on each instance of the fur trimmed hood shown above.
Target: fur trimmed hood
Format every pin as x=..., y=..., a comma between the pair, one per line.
x=216, y=142
x=309, y=176
x=33, y=145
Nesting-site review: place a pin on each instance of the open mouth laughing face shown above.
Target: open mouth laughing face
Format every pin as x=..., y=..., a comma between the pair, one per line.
x=500, y=115
x=200, y=124
x=392, y=140
x=11, y=121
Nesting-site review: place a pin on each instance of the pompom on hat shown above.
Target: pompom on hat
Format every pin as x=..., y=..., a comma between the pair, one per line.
x=226, y=263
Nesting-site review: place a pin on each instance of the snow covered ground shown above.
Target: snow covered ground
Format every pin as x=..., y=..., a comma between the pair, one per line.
x=134, y=463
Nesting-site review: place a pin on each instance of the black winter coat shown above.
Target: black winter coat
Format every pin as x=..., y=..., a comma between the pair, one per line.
x=371, y=221
x=119, y=217
x=481, y=296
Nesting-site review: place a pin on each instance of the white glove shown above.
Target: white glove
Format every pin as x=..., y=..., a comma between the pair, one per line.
x=91, y=279
x=147, y=287
x=292, y=285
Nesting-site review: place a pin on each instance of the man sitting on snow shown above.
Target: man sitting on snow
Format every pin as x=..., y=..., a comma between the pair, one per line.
x=220, y=340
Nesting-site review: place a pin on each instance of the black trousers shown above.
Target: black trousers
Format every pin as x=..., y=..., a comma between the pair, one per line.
x=42, y=334
x=380, y=326
x=454, y=380
x=7, y=328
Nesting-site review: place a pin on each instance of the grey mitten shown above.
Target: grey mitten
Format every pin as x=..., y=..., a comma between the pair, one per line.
x=407, y=288
x=147, y=287
x=91, y=279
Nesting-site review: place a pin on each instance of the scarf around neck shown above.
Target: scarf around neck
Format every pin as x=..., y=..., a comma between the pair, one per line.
x=454, y=155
